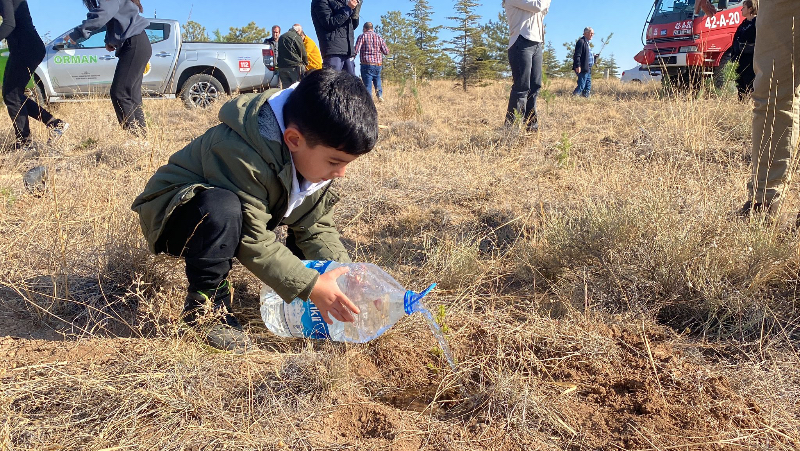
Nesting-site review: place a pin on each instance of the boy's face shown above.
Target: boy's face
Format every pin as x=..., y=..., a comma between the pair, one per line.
x=318, y=163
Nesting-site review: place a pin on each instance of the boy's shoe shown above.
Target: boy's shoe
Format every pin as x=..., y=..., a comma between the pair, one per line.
x=209, y=310
x=380, y=98
x=26, y=146
x=57, y=128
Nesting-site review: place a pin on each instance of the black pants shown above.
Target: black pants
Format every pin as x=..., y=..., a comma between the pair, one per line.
x=26, y=51
x=206, y=232
x=745, y=75
x=525, y=58
x=126, y=88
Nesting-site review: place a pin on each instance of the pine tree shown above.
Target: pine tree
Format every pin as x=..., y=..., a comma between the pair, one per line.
x=550, y=65
x=404, y=57
x=193, y=31
x=426, y=38
x=496, y=43
x=608, y=64
x=467, y=40
x=248, y=33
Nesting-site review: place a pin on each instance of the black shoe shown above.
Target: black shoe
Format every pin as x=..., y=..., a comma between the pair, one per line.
x=751, y=208
x=210, y=311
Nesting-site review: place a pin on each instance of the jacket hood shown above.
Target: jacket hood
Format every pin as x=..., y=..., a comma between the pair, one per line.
x=241, y=115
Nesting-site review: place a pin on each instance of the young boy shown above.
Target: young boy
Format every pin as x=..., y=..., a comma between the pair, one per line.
x=270, y=162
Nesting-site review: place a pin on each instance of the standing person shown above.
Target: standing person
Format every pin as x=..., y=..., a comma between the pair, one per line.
x=292, y=57
x=776, y=111
x=335, y=22
x=744, y=43
x=25, y=52
x=312, y=52
x=582, y=62
x=372, y=48
x=125, y=36
x=273, y=38
x=525, y=47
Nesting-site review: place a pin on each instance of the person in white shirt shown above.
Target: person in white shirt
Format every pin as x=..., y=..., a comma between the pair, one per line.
x=525, y=47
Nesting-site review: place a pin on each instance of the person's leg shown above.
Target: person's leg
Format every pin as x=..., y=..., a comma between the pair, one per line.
x=775, y=98
x=205, y=232
x=126, y=87
x=587, y=86
x=15, y=79
x=349, y=66
x=581, y=84
x=520, y=61
x=285, y=76
x=377, y=80
x=366, y=77
x=531, y=118
x=335, y=62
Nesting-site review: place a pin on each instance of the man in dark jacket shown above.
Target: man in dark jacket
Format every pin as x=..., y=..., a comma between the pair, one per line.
x=292, y=58
x=335, y=22
x=582, y=62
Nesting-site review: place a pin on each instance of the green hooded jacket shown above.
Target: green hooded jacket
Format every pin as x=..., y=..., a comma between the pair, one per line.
x=236, y=157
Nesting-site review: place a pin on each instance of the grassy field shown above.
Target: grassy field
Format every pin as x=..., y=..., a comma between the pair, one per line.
x=597, y=291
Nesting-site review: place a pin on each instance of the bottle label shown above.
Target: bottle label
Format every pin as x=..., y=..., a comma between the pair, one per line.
x=313, y=324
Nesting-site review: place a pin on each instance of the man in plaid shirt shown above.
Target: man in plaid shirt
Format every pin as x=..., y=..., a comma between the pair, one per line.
x=372, y=48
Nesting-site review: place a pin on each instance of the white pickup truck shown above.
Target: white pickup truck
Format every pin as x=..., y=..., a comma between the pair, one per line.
x=198, y=72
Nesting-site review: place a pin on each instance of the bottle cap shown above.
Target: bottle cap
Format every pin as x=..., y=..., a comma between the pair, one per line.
x=411, y=300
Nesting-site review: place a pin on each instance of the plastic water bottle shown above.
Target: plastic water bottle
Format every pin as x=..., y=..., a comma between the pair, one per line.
x=381, y=299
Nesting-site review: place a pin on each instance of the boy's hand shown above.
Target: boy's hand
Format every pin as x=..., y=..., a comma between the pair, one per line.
x=328, y=298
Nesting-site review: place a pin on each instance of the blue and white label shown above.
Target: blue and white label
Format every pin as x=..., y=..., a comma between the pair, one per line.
x=319, y=266
x=313, y=324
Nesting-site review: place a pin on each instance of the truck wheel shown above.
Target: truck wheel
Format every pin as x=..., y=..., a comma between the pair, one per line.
x=201, y=90
x=724, y=72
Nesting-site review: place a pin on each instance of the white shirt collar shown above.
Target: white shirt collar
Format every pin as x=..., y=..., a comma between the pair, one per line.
x=298, y=192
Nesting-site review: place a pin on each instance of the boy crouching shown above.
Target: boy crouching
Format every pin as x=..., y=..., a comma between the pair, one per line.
x=270, y=162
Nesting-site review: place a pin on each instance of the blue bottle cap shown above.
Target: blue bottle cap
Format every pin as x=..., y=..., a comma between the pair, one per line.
x=411, y=300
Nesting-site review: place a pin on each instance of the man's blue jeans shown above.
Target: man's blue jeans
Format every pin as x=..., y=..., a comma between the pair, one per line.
x=525, y=58
x=371, y=75
x=584, y=84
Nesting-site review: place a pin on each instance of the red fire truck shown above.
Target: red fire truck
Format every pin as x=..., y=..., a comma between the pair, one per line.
x=687, y=46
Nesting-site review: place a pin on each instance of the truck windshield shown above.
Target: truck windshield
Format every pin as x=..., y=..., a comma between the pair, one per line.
x=667, y=11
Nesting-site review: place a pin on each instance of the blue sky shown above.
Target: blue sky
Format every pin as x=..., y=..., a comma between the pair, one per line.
x=565, y=21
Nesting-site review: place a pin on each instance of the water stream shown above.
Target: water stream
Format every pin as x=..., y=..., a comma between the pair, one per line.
x=437, y=332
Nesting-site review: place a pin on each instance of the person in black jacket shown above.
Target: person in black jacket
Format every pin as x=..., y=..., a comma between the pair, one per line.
x=582, y=62
x=335, y=22
x=126, y=37
x=292, y=58
x=26, y=51
x=744, y=43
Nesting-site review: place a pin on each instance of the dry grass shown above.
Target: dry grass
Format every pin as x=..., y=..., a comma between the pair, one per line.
x=598, y=292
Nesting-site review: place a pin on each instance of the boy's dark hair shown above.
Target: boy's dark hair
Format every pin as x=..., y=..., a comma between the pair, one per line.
x=333, y=109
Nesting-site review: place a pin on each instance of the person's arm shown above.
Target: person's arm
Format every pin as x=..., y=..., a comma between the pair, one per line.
x=534, y=6
x=303, y=52
x=9, y=21
x=577, y=57
x=328, y=19
x=96, y=18
x=359, y=43
x=384, y=48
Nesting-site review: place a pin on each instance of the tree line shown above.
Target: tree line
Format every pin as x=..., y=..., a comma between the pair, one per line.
x=476, y=51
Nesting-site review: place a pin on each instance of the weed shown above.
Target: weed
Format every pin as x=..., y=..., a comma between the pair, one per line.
x=564, y=146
